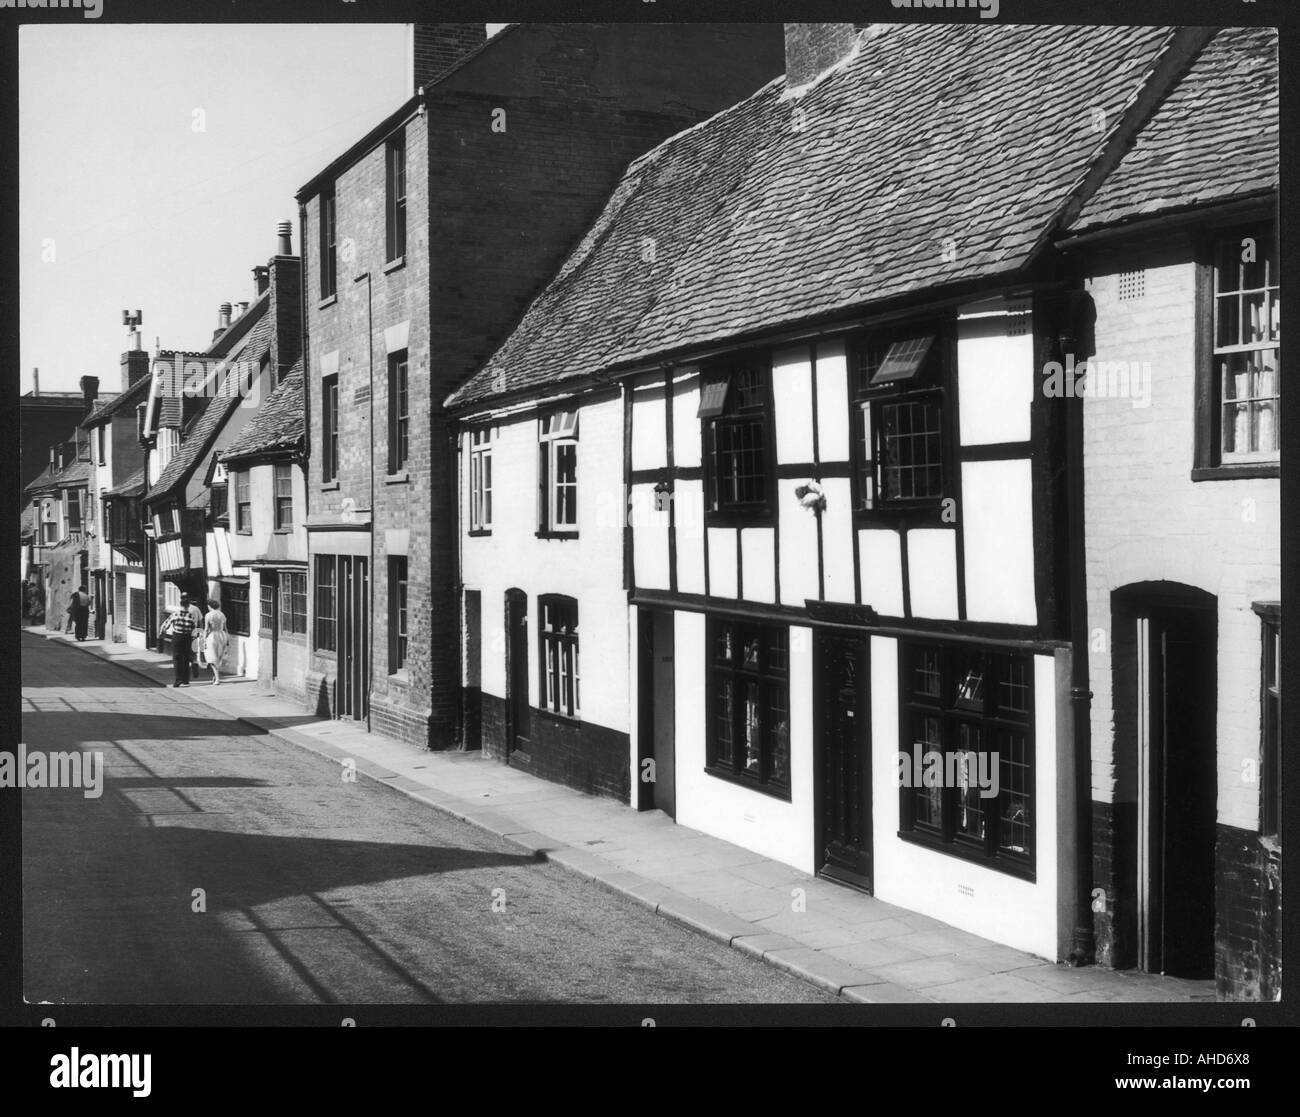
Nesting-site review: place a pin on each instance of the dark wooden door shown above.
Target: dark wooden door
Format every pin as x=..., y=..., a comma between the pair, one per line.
x=844, y=761
x=101, y=605
x=1183, y=711
x=353, y=637
x=517, y=709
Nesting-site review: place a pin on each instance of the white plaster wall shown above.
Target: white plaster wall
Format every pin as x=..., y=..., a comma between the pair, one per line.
x=881, y=558
x=932, y=563
x=766, y=825
x=798, y=548
x=757, y=553
x=792, y=395
x=649, y=429
x=832, y=397
x=995, y=371
x=649, y=540
x=686, y=424
x=722, y=561
x=589, y=568
x=982, y=901
x=997, y=503
x=689, y=501
x=837, y=539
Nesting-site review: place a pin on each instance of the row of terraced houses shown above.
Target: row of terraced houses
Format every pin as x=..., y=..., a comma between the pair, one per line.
x=878, y=473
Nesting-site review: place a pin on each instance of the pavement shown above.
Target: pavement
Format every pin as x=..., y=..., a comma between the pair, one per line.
x=846, y=942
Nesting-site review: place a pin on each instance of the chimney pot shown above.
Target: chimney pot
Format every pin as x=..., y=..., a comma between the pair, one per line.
x=285, y=231
x=223, y=315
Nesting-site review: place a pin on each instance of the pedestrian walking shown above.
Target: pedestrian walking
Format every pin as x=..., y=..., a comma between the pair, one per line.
x=180, y=627
x=79, y=612
x=216, y=638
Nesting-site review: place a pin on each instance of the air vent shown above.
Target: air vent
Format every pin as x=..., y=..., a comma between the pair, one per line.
x=1132, y=284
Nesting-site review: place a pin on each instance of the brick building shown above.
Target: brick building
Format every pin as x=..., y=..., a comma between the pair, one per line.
x=1178, y=271
x=423, y=244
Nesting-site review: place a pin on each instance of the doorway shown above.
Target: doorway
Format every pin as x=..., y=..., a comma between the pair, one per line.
x=842, y=760
x=1165, y=662
x=353, y=637
x=101, y=605
x=518, y=721
x=657, y=731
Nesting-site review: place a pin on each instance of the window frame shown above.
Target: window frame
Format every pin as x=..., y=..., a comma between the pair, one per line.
x=559, y=673
x=555, y=435
x=398, y=613
x=325, y=591
x=769, y=677
x=235, y=603
x=282, y=474
x=1209, y=463
x=243, y=501
x=395, y=197
x=933, y=384
x=329, y=418
x=292, y=589
x=71, y=501
x=480, y=443
x=329, y=275
x=1271, y=808
x=399, y=412
x=268, y=605
x=731, y=417
x=101, y=447
x=992, y=718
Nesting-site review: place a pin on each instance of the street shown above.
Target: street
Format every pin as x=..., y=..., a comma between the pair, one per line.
x=223, y=866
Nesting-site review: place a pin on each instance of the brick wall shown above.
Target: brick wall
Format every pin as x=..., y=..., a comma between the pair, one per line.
x=436, y=47
x=1147, y=521
x=490, y=217
x=1247, y=908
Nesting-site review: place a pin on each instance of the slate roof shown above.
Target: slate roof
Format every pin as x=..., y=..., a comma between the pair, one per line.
x=132, y=486
x=73, y=474
x=789, y=206
x=198, y=438
x=1215, y=137
x=278, y=424
x=109, y=406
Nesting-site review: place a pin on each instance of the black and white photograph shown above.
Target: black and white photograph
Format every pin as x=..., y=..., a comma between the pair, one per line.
x=730, y=516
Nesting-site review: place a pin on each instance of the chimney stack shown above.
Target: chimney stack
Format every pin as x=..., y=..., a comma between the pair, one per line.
x=223, y=321
x=813, y=48
x=437, y=47
x=89, y=391
x=243, y=308
x=285, y=230
x=135, y=364
x=261, y=277
x=36, y=382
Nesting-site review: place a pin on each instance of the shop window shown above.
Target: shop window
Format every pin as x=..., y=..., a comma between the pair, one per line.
x=749, y=704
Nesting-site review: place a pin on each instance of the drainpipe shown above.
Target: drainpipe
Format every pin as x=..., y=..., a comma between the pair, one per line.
x=370, y=580
x=1083, y=948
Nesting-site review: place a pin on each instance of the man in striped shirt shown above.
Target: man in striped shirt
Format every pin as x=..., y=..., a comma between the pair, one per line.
x=180, y=626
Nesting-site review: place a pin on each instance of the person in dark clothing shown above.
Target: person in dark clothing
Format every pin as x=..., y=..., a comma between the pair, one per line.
x=79, y=611
x=180, y=625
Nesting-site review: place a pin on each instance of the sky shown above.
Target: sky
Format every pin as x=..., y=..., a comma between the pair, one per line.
x=155, y=162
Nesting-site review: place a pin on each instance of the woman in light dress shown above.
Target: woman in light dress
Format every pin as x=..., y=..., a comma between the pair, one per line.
x=215, y=639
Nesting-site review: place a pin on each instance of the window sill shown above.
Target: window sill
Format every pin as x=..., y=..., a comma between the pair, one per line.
x=244, y=531
x=329, y=486
x=479, y=532
x=770, y=790
x=1243, y=472
x=394, y=264
x=329, y=300
x=963, y=853
x=397, y=478
x=544, y=534
x=283, y=531
x=402, y=677
x=559, y=719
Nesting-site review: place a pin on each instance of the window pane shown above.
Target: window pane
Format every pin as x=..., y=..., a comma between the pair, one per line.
x=911, y=448
x=779, y=768
x=724, y=715
x=1013, y=686
x=926, y=673
x=1015, y=793
x=752, y=728
x=970, y=805
x=928, y=801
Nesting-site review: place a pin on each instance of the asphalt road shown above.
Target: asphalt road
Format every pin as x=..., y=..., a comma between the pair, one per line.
x=313, y=890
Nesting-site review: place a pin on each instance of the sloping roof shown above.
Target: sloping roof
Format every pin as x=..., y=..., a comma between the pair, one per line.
x=109, y=406
x=1214, y=139
x=73, y=474
x=204, y=429
x=278, y=424
x=784, y=207
x=132, y=486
